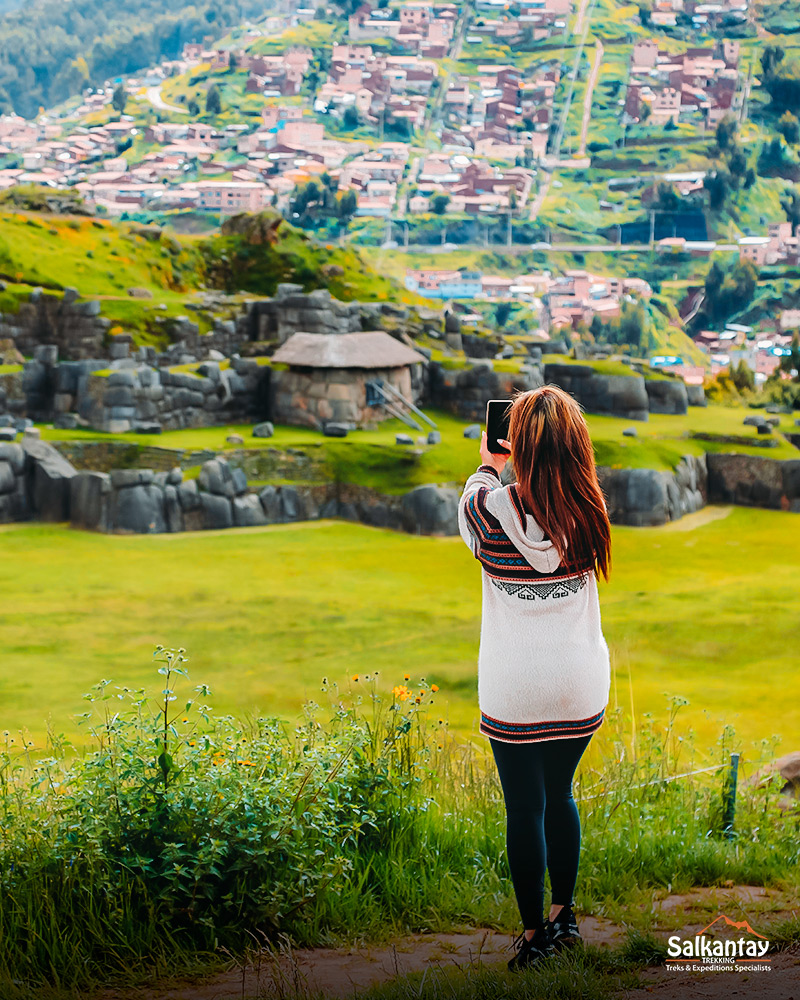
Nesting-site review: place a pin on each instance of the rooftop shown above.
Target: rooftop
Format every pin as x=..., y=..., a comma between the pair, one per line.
x=374, y=349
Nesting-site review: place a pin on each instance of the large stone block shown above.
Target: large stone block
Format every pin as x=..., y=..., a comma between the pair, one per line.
x=131, y=477
x=139, y=509
x=14, y=455
x=666, y=395
x=90, y=495
x=216, y=477
x=270, y=503
x=217, y=511
x=50, y=475
x=8, y=480
x=247, y=511
x=431, y=510
x=172, y=509
x=188, y=495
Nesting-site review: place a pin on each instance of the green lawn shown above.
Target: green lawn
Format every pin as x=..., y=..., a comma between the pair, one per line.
x=702, y=612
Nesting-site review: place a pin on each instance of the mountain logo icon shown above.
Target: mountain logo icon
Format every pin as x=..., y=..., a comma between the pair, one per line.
x=739, y=925
x=717, y=951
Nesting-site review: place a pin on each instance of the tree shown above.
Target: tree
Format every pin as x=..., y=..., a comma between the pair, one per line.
x=789, y=127
x=502, y=313
x=193, y=108
x=729, y=292
x=119, y=99
x=790, y=203
x=770, y=58
x=439, y=203
x=348, y=204
x=737, y=165
x=213, y=101
x=783, y=85
x=667, y=198
x=775, y=159
x=742, y=376
x=726, y=130
x=350, y=118
x=718, y=184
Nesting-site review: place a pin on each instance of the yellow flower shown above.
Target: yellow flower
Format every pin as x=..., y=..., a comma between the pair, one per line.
x=434, y=687
x=418, y=700
x=355, y=677
x=401, y=692
x=406, y=677
x=422, y=693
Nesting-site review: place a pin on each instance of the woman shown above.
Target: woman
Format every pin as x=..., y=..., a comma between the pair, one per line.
x=543, y=665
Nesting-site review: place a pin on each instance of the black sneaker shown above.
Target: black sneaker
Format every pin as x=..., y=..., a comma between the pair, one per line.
x=530, y=951
x=563, y=931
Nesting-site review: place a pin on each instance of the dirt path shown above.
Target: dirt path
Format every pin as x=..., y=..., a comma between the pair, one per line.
x=587, y=101
x=345, y=972
x=696, y=520
x=339, y=973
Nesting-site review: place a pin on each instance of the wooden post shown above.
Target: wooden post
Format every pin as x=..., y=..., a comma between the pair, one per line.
x=729, y=797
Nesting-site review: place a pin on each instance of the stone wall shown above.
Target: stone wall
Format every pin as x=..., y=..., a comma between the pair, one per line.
x=75, y=327
x=38, y=482
x=620, y=395
x=650, y=496
x=292, y=310
x=14, y=503
x=752, y=481
x=466, y=391
x=666, y=395
x=312, y=397
x=150, y=399
x=34, y=481
x=143, y=501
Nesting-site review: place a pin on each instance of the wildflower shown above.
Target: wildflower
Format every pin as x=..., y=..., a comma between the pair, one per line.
x=441, y=721
x=401, y=692
x=184, y=720
x=434, y=688
x=422, y=693
x=355, y=677
x=406, y=677
x=418, y=700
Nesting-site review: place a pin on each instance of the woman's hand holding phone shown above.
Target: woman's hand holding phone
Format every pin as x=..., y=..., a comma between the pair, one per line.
x=496, y=460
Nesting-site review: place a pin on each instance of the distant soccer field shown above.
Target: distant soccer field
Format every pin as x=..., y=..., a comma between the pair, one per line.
x=705, y=608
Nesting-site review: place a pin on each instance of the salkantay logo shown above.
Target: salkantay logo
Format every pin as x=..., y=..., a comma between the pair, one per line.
x=705, y=953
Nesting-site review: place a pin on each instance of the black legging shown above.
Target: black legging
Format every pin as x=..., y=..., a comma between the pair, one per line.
x=543, y=829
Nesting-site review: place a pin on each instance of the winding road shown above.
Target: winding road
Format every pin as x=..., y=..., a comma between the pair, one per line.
x=155, y=98
x=587, y=101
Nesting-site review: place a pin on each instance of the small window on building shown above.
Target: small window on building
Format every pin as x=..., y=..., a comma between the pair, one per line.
x=374, y=398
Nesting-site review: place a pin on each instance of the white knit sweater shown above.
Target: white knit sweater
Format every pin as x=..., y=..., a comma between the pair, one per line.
x=543, y=665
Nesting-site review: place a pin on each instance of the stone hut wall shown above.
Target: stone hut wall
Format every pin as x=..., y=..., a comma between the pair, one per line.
x=310, y=397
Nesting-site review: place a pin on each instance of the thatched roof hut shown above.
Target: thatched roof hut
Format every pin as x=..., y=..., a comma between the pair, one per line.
x=331, y=377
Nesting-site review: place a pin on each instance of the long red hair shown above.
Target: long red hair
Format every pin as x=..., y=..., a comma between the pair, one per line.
x=557, y=478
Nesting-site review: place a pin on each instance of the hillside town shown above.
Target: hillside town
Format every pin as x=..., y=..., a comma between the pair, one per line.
x=418, y=120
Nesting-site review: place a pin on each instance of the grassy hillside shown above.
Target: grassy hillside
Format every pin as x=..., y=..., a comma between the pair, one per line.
x=103, y=259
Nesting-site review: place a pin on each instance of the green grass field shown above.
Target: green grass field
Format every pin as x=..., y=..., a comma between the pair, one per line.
x=702, y=612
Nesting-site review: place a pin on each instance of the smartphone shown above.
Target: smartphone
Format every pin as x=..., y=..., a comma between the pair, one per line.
x=498, y=412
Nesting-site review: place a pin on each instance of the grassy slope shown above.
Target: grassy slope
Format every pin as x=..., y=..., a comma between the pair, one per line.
x=266, y=615
x=103, y=259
